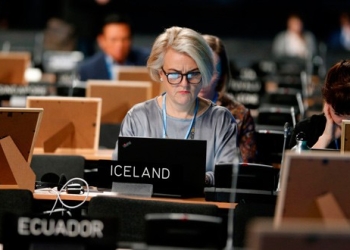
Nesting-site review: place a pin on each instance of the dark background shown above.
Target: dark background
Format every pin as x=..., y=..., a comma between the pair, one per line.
x=226, y=18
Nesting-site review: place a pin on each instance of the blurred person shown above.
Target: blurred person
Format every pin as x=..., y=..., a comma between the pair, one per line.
x=115, y=42
x=324, y=130
x=295, y=41
x=216, y=92
x=340, y=38
x=86, y=17
x=183, y=62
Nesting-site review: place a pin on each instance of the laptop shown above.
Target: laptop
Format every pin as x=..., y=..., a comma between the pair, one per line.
x=175, y=167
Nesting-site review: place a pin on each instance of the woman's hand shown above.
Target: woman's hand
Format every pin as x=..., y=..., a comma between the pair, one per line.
x=331, y=130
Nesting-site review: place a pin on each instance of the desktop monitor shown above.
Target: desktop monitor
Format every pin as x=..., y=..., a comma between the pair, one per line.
x=19, y=128
x=313, y=186
x=118, y=97
x=13, y=66
x=137, y=73
x=68, y=123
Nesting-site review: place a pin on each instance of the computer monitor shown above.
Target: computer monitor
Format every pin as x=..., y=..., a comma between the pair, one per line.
x=19, y=128
x=13, y=66
x=313, y=186
x=68, y=123
x=118, y=97
x=137, y=73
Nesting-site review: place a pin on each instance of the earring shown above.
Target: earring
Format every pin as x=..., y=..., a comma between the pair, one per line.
x=161, y=79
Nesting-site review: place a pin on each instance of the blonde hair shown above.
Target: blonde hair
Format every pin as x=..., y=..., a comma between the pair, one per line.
x=182, y=40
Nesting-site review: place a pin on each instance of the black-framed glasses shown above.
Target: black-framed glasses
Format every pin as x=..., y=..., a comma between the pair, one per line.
x=192, y=77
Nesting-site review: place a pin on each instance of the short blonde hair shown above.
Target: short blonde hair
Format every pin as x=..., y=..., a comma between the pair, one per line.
x=182, y=40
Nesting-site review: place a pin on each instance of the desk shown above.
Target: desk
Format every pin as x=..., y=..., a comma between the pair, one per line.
x=100, y=154
x=46, y=195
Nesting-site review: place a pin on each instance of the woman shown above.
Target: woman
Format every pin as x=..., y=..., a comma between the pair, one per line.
x=216, y=92
x=324, y=130
x=182, y=61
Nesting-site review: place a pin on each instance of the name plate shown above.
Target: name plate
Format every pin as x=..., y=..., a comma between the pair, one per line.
x=165, y=178
x=25, y=230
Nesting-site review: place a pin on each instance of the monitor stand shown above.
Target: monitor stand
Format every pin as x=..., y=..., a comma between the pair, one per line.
x=15, y=171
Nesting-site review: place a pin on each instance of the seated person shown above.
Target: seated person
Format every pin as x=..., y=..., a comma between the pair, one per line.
x=295, y=41
x=324, y=130
x=217, y=94
x=183, y=62
x=115, y=42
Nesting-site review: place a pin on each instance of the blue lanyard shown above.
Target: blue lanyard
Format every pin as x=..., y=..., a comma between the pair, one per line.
x=191, y=127
x=215, y=98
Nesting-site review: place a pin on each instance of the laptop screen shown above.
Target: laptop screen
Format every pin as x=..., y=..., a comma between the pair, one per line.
x=183, y=160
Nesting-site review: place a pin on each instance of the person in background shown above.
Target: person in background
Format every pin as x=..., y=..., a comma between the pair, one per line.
x=86, y=16
x=183, y=62
x=115, y=42
x=216, y=92
x=295, y=41
x=339, y=40
x=324, y=130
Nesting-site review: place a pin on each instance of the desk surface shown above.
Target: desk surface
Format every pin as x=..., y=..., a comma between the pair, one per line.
x=52, y=195
x=101, y=154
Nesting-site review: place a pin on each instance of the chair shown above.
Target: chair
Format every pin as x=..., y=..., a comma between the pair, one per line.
x=270, y=146
x=109, y=133
x=15, y=201
x=274, y=115
x=45, y=166
x=131, y=212
x=255, y=183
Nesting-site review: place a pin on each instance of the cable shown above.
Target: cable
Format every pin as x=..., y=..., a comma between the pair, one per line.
x=63, y=189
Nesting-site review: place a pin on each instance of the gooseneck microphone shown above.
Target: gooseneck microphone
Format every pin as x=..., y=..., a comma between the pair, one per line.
x=285, y=136
x=230, y=222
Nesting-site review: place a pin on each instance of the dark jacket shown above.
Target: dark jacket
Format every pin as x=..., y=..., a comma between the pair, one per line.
x=95, y=67
x=313, y=128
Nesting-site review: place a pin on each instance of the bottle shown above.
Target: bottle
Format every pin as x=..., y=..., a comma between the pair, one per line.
x=301, y=143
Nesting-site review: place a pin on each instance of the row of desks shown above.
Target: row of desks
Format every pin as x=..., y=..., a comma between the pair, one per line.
x=106, y=154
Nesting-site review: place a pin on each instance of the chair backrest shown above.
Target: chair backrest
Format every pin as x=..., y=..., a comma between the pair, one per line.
x=270, y=145
x=275, y=115
x=131, y=212
x=15, y=201
x=109, y=134
x=71, y=166
x=255, y=182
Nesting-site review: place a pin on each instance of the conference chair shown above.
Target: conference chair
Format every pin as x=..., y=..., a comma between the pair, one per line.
x=109, y=133
x=254, y=183
x=51, y=169
x=271, y=145
x=131, y=212
x=14, y=201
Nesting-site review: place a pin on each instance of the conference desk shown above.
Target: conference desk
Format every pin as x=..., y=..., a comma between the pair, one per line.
x=47, y=195
x=100, y=154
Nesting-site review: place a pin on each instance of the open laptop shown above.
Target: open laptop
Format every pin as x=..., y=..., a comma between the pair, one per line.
x=175, y=167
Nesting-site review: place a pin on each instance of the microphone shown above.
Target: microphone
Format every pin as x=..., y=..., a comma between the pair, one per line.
x=292, y=113
x=285, y=135
x=234, y=180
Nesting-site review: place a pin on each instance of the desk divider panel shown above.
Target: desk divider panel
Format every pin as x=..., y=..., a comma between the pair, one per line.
x=118, y=97
x=138, y=73
x=13, y=66
x=68, y=123
x=18, y=131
